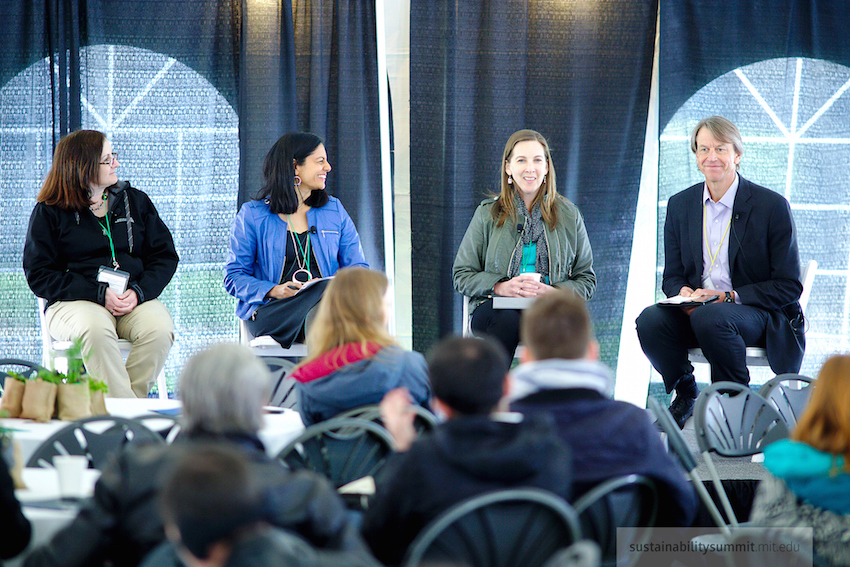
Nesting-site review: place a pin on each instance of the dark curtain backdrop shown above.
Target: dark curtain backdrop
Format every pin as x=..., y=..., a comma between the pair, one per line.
x=703, y=39
x=579, y=73
x=336, y=62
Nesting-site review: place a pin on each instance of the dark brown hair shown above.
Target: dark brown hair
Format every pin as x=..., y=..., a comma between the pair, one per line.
x=557, y=325
x=76, y=166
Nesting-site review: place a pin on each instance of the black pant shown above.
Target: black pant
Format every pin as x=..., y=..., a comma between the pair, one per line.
x=722, y=330
x=284, y=319
x=500, y=324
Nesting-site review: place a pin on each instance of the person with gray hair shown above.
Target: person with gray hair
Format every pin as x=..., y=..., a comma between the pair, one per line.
x=223, y=390
x=732, y=240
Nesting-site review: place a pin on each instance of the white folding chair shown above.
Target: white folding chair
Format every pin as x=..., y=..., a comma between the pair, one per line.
x=53, y=350
x=265, y=346
x=757, y=356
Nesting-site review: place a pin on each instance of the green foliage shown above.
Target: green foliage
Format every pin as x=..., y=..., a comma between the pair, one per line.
x=76, y=370
x=16, y=376
x=50, y=376
x=97, y=386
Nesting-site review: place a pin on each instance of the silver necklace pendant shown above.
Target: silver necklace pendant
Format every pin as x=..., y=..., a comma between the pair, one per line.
x=302, y=276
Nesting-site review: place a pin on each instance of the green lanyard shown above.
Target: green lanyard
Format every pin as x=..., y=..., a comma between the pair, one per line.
x=108, y=232
x=302, y=266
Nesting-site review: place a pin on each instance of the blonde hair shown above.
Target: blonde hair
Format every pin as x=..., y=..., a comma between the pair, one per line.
x=825, y=423
x=351, y=311
x=547, y=195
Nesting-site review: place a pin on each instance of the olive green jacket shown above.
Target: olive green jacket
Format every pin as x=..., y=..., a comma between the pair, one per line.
x=486, y=250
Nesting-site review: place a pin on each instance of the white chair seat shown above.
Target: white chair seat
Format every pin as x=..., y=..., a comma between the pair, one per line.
x=266, y=346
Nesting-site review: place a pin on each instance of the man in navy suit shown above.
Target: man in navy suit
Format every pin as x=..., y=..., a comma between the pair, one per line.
x=731, y=238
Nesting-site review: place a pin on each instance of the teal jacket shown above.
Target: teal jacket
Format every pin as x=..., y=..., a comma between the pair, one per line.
x=485, y=253
x=816, y=477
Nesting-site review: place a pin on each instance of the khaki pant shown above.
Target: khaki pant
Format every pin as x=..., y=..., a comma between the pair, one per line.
x=148, y=327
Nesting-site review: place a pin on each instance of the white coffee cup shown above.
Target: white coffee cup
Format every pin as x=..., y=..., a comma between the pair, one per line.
x=70, y=469
x=537, y=277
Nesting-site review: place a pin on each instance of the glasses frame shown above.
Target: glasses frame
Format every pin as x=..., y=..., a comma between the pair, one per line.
x=111, y=161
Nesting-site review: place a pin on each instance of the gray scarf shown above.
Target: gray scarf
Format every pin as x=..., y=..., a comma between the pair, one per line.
x=532, y=233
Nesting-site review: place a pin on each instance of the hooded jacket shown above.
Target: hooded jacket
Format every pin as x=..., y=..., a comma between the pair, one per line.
x=325, y=390
x=607, y=438
x=64, y=249
x=816, y=477
x=461, y=458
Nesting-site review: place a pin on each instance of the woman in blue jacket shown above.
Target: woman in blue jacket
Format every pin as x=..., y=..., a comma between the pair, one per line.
x=292, y=234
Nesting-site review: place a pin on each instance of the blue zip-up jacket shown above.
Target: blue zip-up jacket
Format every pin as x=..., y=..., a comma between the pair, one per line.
x=258, y=247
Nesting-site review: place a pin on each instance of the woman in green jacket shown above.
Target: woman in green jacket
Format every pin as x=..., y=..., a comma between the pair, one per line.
x=523, y=242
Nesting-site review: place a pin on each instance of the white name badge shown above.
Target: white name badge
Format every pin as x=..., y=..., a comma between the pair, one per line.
x=117, y=280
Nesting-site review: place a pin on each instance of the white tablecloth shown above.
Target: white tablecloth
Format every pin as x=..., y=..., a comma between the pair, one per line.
x=278, y=431
x=43, y=484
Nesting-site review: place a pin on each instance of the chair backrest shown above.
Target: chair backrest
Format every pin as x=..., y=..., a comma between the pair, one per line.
x=807, y=278
x=789, y=401
x=27, y=369
x=96, y=437
x=341, y=449
x=622, y=502
x=166, y=426
x=734, y=421
x=506, y=528
x=423, y=421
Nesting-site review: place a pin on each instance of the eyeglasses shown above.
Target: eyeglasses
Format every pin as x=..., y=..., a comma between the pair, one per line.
x=110, y=161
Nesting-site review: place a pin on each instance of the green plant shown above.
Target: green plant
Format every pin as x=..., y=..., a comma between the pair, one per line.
x=98, y=386
x=16, y=376
x=50, y=376
x=76, y=370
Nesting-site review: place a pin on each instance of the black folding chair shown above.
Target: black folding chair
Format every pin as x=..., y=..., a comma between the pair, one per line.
x=622, y=502
x=506, y=528
x=422, y=422
x=341, y=449
x=27, y=369
x=97, y=438
x=676, y=443
x=734, y=421
x=789, y=394
x=166, y=426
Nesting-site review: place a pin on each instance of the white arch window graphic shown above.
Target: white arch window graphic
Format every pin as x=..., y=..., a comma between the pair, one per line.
x=177, y=140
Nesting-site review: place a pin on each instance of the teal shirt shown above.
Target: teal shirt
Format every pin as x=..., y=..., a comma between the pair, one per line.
x=529, y=261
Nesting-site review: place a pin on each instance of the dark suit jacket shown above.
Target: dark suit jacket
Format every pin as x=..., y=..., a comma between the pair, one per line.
x=763, y=261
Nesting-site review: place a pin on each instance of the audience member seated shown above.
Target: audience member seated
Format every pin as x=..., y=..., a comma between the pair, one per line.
x=14, y=527
x=562, y=377
x=223, y=390
x=477, y=450
x=215, y=507
x=353, y=361
x=88, y=229
x=810, y=482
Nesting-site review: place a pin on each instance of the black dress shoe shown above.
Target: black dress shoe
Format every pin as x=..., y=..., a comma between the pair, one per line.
x=681, y=409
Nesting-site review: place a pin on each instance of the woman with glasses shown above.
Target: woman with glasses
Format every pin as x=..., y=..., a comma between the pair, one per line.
x=97, y=251
x=286, y=241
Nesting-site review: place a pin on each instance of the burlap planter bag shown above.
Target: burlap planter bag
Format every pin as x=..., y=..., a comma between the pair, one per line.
x=13, y=395
x=39, y=400
x=74, y=401
x=98, y=397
